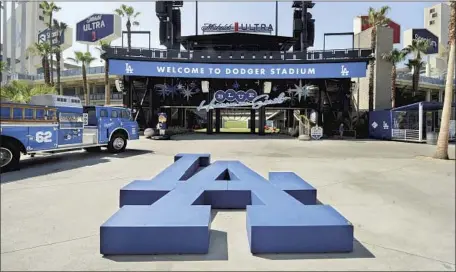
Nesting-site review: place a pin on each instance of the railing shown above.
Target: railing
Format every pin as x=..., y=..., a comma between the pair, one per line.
x=75, y=72
x=251, y=56
x=424, y=79
x=95, y=97
x=411, y=135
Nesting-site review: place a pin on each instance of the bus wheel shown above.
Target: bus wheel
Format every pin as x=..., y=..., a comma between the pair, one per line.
x=93, y=149
x=117, y=143
x=9, y=156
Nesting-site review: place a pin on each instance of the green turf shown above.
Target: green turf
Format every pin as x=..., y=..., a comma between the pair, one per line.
x=235, y=124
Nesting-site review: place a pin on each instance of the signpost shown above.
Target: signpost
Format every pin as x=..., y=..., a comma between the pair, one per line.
x=97, y=27
x=65, y=40
x=316, y=132
x=46, y=36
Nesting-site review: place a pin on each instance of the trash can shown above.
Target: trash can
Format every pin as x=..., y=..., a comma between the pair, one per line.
x=431, y=137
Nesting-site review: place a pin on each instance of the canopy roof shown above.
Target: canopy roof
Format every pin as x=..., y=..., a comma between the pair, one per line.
x=427, y=106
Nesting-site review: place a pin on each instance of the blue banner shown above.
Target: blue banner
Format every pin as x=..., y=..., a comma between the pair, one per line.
x=95, y=27
x=254, y=71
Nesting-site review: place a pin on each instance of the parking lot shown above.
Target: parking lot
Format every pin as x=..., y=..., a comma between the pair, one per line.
x=401, y=202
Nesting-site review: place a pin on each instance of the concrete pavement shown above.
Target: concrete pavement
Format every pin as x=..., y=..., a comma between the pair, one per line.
x=401, y=203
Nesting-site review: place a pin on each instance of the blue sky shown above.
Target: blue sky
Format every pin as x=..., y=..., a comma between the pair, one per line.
x=329, y=16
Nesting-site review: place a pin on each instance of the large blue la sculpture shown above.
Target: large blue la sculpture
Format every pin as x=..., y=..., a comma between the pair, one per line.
x=171, y=214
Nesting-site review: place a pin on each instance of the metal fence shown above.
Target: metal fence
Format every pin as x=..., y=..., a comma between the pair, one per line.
x=424, y=79
x=252, y=56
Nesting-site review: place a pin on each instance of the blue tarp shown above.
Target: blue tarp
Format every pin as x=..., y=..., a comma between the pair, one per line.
x=380, y=124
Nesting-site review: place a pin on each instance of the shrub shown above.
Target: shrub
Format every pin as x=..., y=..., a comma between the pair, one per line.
x=22, y=91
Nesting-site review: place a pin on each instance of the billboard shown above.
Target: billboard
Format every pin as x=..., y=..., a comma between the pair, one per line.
x=98, y=27
x=65, y=40
x=422, y=33
x=248, y=71
x=361, y=23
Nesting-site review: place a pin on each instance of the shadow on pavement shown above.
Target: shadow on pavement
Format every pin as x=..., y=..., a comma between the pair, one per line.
x=359, y=252
x=218, y=251
x=53, y=163
x=229, y=136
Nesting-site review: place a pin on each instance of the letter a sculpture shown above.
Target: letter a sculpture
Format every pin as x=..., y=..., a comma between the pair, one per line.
x=171, y=214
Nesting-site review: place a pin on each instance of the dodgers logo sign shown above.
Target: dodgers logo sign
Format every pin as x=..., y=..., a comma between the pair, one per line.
x=237, y=71
x=171, y=214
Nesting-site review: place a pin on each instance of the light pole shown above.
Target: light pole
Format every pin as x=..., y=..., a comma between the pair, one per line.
x=13, y=38
x=5, y=38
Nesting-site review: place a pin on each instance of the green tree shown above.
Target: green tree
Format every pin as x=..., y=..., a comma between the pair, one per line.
x=418, y=47
x=43, y=50
x=394, y=57
x=22, y=91
x=128, y=12
x=49, y=8
x=3, y=66
x=104, y=45
x=85, y=58
x=60, y=27
x=442, y=142
x=376, y=18
x=3, y=69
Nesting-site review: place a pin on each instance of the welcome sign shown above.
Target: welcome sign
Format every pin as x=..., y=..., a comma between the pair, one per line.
x=247, y=71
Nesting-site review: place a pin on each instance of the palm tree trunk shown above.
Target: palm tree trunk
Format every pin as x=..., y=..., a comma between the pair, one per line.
x=372, y=70
x=393, y=86
x=57, y=57
x=442, y=142
x=84, y=81
x=416, y=80
x=107, y=87
x=51, y=72
x=46, y=70
x=43, y=64
x=129, y=35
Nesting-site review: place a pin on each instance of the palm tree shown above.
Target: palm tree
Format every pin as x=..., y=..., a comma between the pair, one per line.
x=42, y=50
x=85, y=58
x=375, y=19
x=60, y=28
x=418, y=47
x=128, y=12
x=103, y=46
x=48, y=9
x=415, y=66
x=444, y=52
x=442, y=142
x=394, y=57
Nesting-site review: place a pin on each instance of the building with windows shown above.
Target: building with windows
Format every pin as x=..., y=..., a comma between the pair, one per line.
x=436, y=19
x=20, y=31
